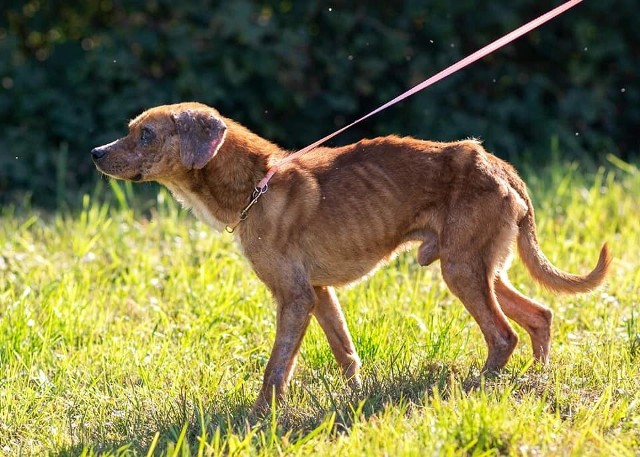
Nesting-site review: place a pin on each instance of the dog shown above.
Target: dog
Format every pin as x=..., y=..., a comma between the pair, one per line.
x=333, y=215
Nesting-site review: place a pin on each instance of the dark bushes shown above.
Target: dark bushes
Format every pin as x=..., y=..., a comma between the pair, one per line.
x=73, y=72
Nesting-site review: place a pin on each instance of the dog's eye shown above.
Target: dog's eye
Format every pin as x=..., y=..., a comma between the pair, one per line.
x=146, y=136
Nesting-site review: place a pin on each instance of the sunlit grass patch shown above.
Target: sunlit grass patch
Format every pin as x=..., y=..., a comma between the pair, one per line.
x=131, y=328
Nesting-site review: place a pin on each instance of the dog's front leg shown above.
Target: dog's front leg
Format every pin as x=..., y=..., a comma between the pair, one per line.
x=295, y=299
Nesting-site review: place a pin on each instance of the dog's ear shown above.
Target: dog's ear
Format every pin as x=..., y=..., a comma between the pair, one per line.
x=201, y=134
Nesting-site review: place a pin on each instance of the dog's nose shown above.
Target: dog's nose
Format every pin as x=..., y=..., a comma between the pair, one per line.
x=98, y=153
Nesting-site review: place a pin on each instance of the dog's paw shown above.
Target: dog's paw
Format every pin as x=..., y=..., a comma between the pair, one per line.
x=259, y=410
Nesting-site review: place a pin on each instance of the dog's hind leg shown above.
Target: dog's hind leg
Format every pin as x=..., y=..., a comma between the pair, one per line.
x=468, y=280
x=533, y=317
x=329, y=315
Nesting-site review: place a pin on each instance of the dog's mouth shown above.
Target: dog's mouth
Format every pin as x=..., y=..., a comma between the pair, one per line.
x=115, y=175
x=135, y=178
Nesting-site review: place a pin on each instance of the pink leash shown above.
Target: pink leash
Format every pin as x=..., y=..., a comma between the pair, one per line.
x=262, y=186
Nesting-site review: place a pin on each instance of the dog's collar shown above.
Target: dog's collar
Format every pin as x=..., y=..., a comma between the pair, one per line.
x=258, y=191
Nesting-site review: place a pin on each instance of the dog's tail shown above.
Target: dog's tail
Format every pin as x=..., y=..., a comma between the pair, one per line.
x=545, y=272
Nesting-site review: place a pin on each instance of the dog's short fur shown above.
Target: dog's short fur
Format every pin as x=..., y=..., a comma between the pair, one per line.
x=334, y=214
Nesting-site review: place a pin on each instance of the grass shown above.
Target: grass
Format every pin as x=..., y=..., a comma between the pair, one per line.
x=132, y=329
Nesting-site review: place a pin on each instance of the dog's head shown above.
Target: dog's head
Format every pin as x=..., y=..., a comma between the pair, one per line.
x=162, y=142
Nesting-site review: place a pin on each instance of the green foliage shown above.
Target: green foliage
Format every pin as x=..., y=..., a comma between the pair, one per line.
x=73, y=72
x=146, y=334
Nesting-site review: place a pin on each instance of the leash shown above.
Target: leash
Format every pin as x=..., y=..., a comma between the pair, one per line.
x=262, y=187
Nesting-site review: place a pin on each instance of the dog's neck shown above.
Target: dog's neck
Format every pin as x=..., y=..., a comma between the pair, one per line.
x=217, y=193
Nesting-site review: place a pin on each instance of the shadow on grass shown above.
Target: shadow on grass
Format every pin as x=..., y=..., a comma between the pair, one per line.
x=305, y=411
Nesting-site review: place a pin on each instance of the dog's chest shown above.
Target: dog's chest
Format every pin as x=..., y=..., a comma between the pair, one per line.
x=198, y=207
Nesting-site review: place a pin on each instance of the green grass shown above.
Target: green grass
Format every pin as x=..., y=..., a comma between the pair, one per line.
x=132, y=329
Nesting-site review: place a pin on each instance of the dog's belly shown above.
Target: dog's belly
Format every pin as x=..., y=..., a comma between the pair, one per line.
x=339, y=264
x=344, y=243
x=343, y=272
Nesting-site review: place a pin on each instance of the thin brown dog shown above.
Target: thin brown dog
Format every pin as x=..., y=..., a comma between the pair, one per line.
x=334, y=214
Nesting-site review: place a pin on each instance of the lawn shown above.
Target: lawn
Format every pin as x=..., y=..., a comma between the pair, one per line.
x=132, y=329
